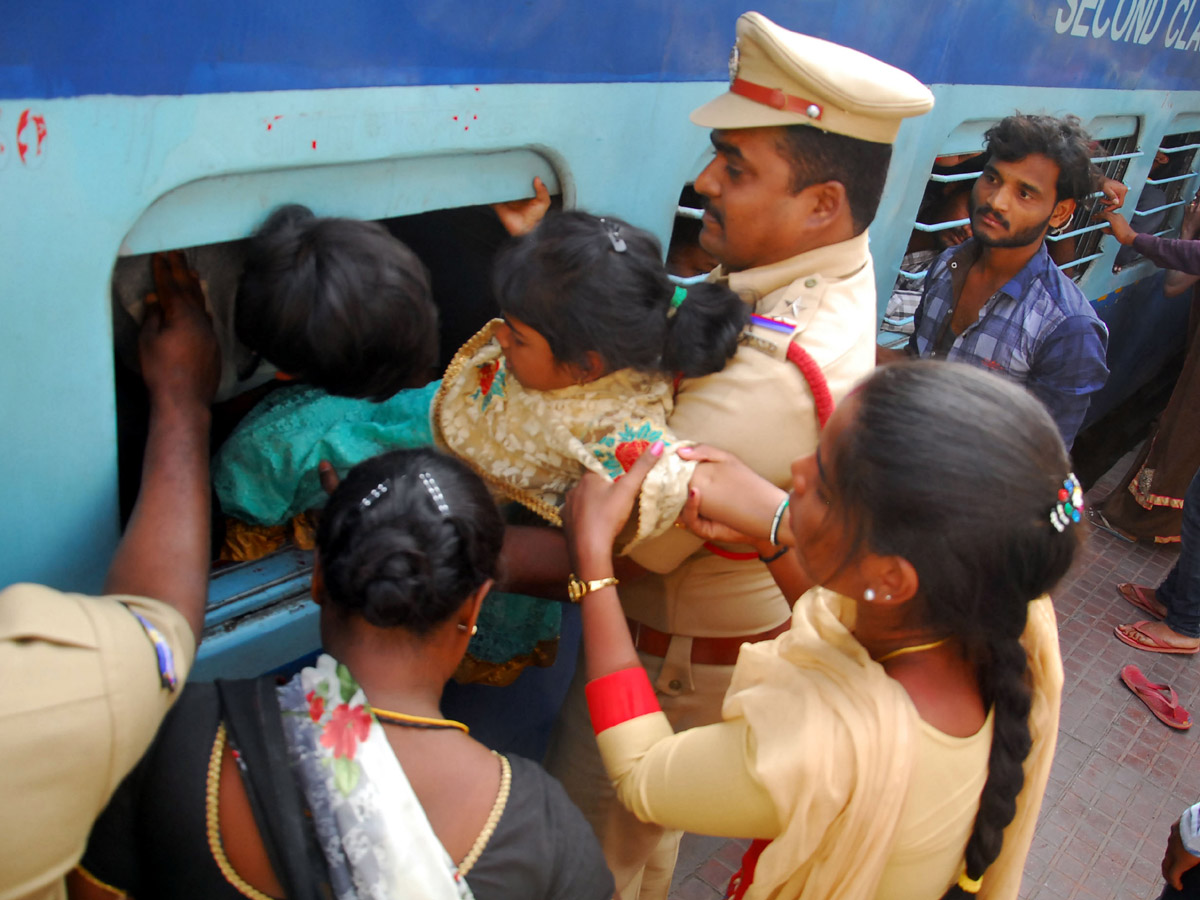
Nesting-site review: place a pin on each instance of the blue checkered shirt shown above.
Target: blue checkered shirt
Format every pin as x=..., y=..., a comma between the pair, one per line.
x=1039, y=330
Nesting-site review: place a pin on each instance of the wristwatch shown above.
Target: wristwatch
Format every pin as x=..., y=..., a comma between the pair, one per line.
x=577, y=588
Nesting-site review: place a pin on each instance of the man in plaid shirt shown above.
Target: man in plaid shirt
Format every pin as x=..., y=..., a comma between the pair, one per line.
x=998, y=301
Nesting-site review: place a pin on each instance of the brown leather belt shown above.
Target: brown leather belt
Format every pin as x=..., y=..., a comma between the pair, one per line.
x=706, y=651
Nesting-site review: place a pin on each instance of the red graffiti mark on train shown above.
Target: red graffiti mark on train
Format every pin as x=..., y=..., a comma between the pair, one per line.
x=39, y=128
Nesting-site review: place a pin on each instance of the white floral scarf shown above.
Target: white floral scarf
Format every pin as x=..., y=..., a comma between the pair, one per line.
x=533, y=446
x=371, y=827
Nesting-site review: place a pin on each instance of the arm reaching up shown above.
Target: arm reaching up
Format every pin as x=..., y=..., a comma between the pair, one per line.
x=165, y=551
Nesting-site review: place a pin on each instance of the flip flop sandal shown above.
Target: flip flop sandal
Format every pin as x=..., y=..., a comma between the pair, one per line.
x=1154, y=645
x=1136, y=595
x=1099, y=521
x=1161, y=699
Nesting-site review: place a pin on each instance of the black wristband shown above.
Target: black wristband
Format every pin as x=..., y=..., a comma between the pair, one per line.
x=774, y=556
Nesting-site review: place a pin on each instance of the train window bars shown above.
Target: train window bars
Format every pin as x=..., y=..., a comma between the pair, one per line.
x=1170, y=186
x=942, y=221
x=1077, y=245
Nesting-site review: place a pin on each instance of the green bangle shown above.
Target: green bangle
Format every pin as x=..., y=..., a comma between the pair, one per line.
x=779, y=510
x=774, y=556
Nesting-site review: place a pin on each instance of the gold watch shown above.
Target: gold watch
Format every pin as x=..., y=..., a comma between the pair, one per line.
x=577, y=588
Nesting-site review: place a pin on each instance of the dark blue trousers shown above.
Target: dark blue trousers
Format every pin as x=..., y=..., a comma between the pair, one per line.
x=1180, y=591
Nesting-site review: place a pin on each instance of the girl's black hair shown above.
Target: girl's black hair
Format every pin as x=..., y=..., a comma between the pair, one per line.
x=956, y=471
x=598, y=284
x=390, y=553
x=339, y=303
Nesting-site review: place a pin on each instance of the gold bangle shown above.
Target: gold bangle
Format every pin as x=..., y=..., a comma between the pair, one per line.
x=577, y=588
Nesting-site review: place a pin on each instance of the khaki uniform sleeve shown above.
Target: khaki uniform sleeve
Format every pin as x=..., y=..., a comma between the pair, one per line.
x=698, y=780
x=84, y=703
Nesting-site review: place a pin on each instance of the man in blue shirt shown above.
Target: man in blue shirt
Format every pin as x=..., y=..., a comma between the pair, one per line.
x=998, y=301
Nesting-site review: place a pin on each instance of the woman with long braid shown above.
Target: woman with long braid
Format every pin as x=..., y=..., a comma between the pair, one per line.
x=882, y=746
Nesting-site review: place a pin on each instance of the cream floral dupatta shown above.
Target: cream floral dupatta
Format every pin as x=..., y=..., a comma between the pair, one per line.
x=376, y=838
x=815, y=689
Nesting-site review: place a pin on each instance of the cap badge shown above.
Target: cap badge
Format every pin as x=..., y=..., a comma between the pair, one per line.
x=735, y=61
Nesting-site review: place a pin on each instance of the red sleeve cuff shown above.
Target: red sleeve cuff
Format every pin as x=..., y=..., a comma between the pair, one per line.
x=619, y=697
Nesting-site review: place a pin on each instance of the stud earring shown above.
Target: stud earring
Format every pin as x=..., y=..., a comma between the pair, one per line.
x=869, y=595
x=474, y=630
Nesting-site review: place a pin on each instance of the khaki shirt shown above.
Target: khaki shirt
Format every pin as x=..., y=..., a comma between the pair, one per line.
x=83, y=699
x=760, y=408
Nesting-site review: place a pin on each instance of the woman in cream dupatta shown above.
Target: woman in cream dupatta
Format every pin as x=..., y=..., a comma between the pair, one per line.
x=896, y=741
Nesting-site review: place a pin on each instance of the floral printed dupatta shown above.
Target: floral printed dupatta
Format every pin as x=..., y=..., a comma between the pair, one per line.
x=371, y=827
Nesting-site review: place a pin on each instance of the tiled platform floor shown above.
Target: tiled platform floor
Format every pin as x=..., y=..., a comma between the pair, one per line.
x=1120, y=777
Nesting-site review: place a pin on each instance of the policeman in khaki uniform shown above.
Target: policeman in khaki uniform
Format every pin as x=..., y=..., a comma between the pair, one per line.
x=803, y=139
x=88, y=679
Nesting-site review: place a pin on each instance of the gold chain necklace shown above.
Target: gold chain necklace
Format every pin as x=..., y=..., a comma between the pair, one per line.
x=915, y=648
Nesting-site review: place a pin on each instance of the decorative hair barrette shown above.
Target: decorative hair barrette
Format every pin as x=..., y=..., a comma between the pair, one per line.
x=374, y=494
x=1069, y=507
x=677, y=299
x=614, y=235
x=435, y=492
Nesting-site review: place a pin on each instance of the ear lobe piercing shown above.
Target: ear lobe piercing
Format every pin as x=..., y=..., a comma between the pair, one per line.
x=869, y=595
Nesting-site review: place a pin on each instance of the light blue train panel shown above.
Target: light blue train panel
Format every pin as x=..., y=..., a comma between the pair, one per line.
x=129, y=127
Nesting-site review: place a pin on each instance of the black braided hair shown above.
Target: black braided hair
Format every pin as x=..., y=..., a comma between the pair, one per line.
x=956, y=470
x=389, y=552
x=568, y=280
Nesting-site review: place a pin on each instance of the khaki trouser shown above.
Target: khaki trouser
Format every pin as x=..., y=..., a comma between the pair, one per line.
x=641, y=856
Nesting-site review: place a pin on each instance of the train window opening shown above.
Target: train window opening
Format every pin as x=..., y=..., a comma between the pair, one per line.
x=1076, y=245
x=686, y=259
x=943, y=221
x=454, y=246
x=1169, y=187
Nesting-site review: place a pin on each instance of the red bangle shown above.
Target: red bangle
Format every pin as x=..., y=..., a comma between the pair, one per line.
x=619, y=697
x=729, y=554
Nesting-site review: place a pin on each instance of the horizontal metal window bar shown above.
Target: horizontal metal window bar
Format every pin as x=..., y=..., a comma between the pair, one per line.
x=1146, y=212
x=941, y=226
x=1118, y=156
x=914, y=276
x=1081, y=260
x=689, y=212
x=688, y=282
x=949, y=179
x=1179, y=149
x=1183, y=177
x=902, y=320
x=1084, y=230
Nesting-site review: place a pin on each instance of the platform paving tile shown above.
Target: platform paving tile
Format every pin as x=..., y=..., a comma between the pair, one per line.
x=1119, y=778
